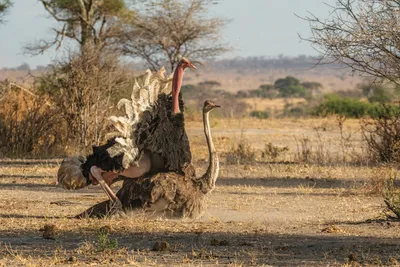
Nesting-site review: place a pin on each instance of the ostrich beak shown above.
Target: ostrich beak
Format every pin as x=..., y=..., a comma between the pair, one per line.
x=190, y=65
x=217, y=106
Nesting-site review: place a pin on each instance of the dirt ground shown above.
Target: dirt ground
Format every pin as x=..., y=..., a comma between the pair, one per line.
x=262, y=214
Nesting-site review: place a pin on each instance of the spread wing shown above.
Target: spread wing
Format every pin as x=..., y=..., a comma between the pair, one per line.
x=146, y=125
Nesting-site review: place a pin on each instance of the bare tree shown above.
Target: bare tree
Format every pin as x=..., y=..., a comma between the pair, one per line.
x=170, y=29
x=361, y=34
x=83, y=90
x=96, y=23
x=4, y=7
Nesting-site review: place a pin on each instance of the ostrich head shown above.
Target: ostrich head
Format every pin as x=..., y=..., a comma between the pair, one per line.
x=185, y=63
x=70, y=175
x=209, y=105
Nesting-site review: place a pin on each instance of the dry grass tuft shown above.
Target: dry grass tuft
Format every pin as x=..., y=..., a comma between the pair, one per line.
x=49, y=231
x=241, y=153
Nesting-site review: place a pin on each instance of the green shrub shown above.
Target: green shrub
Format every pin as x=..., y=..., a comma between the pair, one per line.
x=380, y=95
x=377, y=92
x=294, y=91
x=104, y=242
x=285, y=87
x=349, y=107
x=291, y=87
x=286, y=82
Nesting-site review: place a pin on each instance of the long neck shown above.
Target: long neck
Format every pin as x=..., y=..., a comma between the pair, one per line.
x=176, y=87
x=211, y=174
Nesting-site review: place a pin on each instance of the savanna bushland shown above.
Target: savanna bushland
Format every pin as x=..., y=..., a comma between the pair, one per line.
x=308, y=152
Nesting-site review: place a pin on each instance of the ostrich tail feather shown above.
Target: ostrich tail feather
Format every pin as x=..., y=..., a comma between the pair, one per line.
x=145, y=93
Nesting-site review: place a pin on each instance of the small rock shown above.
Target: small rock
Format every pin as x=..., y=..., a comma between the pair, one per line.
x=161, y=246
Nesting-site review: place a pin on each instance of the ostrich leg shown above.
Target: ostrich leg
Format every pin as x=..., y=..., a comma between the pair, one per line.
x=96, y=172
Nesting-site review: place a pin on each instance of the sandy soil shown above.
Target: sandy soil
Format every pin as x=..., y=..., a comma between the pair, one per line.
x=253, y=218
x=263, y=214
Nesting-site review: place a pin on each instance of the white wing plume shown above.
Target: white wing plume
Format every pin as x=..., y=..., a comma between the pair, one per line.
x=145, y=93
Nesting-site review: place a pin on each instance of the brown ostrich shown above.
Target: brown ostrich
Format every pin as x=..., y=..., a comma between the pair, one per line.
x=177, y=194
x=151, y=137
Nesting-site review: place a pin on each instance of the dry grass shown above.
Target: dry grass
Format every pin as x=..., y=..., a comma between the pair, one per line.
x=279, y=213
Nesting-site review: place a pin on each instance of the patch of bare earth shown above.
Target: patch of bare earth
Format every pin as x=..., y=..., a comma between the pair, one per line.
x=264, y=214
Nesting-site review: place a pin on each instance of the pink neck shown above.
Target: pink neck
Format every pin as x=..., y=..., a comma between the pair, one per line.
x=176, y=87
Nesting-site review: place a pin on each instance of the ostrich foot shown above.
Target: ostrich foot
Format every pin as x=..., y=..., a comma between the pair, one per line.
x=96, y=172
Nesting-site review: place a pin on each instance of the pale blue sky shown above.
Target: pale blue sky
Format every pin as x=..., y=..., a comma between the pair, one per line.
x=258, y=28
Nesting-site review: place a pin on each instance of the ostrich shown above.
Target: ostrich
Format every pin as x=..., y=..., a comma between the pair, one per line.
x=177, y=194
x=151, y=137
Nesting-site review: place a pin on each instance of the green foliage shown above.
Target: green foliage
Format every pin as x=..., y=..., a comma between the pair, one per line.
x=112, y=7
x=293, y=91
x=350, y=107
x=290, y=87
x=259, y=114
x=4, y=7
x=285, y=87
x=379, y=93
x=289, y=81
x=99, y=23
x=72, y=8
x=104, y=242
x=264, y=91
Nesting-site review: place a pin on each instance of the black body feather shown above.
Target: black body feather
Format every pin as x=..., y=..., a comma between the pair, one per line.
x=159, y=133
x=102, y=159
x=163, y=133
